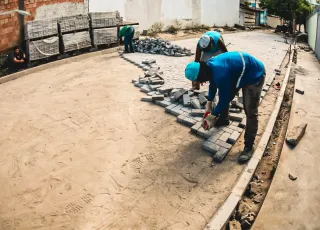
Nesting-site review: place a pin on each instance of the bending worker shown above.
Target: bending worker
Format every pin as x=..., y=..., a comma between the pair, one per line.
x=229, y=72
x=128, y=33
x=210, y=45
x=18, y=59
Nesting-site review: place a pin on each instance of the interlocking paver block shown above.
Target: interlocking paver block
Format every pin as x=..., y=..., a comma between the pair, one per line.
x=220, y=155
x=164, y=103
x=171, y=107
x=243, y=123
x=225, y=136
x=146, y=89
x=155, y=87
x=137, y=84
x=236, y=117
x=235, y=128
x=196, y=127
x=204, y=133
x=198, y=112
x=234, y=110
x=180, y=93
x=235, y=123
x=202, y=99
x=186, y=100
x=225, y=129
x=158, y=97
x=195, y=103
x=214, y=137
x=211, y=147
x=233, y=138
x=147, y=99
x=223, y=144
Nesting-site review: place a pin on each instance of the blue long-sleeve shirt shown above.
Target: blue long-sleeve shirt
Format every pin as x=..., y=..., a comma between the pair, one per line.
x=231, y=71
x=215, y=37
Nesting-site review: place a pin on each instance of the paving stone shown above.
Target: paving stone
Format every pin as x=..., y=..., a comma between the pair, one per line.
x=243, y=123
x=196, y=127
x=295, y=134
x=198, y=112
x=158, y=97
x=214, y=137
x=137, y=84
x=235, y=128
x=195, y=103
x=164, y=103
x=225, y=136
x=263, y=94
x=235, y=123
x=198, y=118
x=134, y=81
x=266, y=88
x=188, y=110
x=211, y=147
x=185, y=120
x=202, y=99
x=147, y=99
x=149, y=61
x=171, y=107
x=186, y=100
x=223, y=144
x=233, y=138
x=204, y=133
x=179, y=94
x=234, y=110
x=151, y=93
x=220, y=155
x=236, y=117
x=146, y=89
x=157, y=82
x=155, y=87
x=224, y=129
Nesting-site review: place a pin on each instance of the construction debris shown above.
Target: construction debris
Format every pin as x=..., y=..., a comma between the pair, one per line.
x=292, y=177
x=160, y=46
x=299, y=91
x=295, y=134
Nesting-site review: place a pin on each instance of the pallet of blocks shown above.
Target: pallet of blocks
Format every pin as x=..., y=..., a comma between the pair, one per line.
x=73, y=23
x=43, y=48
x=41, y=28
x=76, y=41
x=105, y=36
x=103, y=19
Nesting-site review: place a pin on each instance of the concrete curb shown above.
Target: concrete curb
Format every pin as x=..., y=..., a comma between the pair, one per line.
x=221, y=217
x=55, y=64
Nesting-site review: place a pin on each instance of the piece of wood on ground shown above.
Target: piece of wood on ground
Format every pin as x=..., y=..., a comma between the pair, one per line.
x=295, y=134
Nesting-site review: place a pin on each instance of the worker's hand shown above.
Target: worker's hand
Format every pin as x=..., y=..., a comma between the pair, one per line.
x=209, y=108
x=209, y=122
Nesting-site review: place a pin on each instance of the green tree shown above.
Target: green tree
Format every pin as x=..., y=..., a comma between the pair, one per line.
x=288, y=10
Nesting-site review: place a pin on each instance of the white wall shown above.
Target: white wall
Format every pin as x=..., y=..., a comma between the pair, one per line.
x=147, y=12
x=273, y=21
x=312, y=30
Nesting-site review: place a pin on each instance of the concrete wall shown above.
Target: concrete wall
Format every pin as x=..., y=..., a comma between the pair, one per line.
x=147, y=12
x=312, y=30
x=273, y=21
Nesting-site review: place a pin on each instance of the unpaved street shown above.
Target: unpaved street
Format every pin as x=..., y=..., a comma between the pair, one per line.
x=79, y=150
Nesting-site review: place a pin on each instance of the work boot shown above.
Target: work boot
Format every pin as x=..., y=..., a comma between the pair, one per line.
x=245, y=155
x=222, y=122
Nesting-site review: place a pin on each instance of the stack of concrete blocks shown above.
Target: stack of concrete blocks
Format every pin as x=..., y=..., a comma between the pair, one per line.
x=104, y=27
x=189, y=107
x=42, y=38
x=74, y=32
x=160, y=46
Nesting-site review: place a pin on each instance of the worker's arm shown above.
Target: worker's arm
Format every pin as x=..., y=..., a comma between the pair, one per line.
x=212, y=92
x=18, y=61
x=222, y=46
x=198, y=54
x=224, y=99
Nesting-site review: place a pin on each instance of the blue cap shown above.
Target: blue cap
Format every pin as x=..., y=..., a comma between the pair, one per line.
x=192, y=71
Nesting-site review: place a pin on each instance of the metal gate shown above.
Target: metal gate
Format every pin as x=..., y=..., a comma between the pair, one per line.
x=317, y=49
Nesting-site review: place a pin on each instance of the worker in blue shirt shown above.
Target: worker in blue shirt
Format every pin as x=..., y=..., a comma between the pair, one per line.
x=228, y=73
x=209, y=45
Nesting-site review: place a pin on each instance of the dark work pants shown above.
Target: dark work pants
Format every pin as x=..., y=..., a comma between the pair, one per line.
x=128, y=39
x=251, y=101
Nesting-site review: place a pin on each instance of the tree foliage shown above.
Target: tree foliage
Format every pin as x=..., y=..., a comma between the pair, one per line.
x=287, y=9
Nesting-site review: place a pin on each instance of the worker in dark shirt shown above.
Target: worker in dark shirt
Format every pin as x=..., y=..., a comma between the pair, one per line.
x=18, y=59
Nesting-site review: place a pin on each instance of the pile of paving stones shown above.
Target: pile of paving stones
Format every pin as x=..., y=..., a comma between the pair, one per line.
x=189, y=107
x=160, y=46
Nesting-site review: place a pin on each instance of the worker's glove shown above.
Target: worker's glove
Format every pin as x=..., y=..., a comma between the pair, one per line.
x=209, y=108
x=209, y=122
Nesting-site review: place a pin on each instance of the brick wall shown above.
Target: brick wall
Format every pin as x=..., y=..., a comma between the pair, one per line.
x=39, y=9
x=9, y=25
